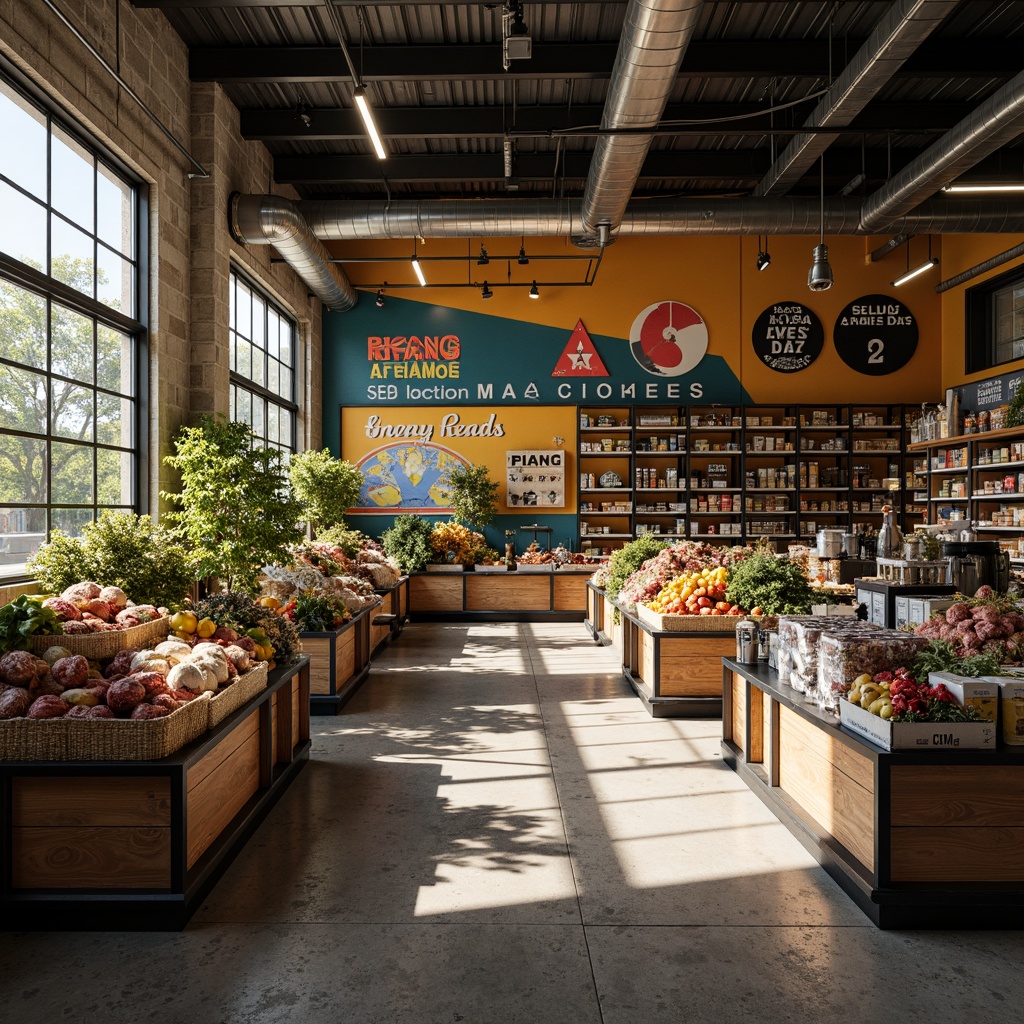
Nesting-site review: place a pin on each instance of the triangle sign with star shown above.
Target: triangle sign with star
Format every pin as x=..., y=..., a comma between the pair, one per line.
x=579, y=358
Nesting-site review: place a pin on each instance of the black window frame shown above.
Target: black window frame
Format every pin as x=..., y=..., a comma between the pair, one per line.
x=979, y=322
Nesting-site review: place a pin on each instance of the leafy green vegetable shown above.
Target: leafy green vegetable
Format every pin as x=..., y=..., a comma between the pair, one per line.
x=408, y=542
x=25, y=616
x=940, y=711
x=776, y=587
x=941, y=656
x=628, y=559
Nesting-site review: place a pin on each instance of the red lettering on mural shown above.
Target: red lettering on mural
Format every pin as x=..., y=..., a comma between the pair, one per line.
x=398, y=349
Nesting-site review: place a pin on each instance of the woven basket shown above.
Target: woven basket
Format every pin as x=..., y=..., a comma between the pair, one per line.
x=241, y=690
x=27, y=739
x=114, y=739
x=97, y=646
x=687, y=623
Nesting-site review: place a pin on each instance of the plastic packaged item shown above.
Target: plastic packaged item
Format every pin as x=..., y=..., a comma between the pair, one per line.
x=844, y=656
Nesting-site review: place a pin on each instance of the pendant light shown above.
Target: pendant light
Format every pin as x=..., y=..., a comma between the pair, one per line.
x=764, y=259
x=819, y=277
x=932, y=261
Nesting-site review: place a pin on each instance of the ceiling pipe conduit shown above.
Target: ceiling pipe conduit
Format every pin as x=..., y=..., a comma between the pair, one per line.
x=342, y=220
x=996, y=122
x=274, y=220
x=654, y=39
x=901, y=30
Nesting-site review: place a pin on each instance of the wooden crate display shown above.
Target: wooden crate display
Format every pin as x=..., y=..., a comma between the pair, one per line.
x=435, y=593
x=513, y=591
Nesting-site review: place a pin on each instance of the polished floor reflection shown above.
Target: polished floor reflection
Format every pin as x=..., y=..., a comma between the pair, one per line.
x=494, y=831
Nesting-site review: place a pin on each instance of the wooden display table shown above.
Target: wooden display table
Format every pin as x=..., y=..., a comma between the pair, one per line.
x=602, y=613
x=339, y=661
x=676, y=674
x=500, y=596
x=139, y=844
x=387, y=620
x=918, y=839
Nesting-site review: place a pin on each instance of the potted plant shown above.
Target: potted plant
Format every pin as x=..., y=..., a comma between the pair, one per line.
x=235, y=509
x=326, y=486
x=473, y=495
x=408, y=542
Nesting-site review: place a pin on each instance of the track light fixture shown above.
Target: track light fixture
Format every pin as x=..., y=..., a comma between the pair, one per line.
x=534, y=293
x=486, y=292
x=820, y=277
x=483, y=259
x=764, y=259
x=379, y=301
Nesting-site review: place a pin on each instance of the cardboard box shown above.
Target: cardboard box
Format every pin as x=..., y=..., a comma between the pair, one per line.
x=913, y=609
x=1011, y=708
x=980, y=693
x=917, y=735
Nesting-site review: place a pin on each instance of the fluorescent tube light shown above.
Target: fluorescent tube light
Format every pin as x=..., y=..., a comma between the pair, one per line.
x=1008, y=187
x=927, y=265
x=418, y=267
x=366, y=113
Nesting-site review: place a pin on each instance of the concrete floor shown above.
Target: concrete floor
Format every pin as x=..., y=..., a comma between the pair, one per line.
x=494, y=831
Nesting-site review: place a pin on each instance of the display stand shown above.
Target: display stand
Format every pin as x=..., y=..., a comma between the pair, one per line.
x=339, y=662
x=386, y=621
x=138, y=845
x=918, y=839
x=538, y=593
x=676, y=674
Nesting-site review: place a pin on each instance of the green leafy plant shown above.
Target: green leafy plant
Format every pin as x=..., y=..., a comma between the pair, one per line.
x=326, y=486
x=1015, y=411
x=473, y=496
x=941, y=656
x=776, y=587
x=628, y=559
x=119, y=549
x=313, y=613
x=408, y=542
x=24, y=617
x=235, y=508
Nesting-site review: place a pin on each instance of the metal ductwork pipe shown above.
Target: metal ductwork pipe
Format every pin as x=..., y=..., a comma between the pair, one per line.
x=339, y=220
x=996, y=122
x=651, y=48
x=273, y=220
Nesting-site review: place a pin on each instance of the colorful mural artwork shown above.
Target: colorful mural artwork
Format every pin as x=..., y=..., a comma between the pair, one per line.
x=668, y=338
x=405, y=477
x=580, y=358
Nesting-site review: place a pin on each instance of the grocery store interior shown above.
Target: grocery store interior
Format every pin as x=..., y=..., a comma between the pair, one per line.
x=720, y=305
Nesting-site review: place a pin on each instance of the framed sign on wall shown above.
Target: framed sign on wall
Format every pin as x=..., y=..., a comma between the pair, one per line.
x=535, y=479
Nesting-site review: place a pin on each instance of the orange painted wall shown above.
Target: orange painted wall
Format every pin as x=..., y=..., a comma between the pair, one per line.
x=714, y=274
x=960, y=253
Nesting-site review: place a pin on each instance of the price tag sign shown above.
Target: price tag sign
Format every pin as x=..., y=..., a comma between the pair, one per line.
x=875, y=334
x=788, y=337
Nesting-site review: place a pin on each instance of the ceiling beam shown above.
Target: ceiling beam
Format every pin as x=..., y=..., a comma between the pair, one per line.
x=706, y=166
x=728, y=59
x=491, y=122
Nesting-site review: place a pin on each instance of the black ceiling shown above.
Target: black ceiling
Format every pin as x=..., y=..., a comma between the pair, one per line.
x=751, y=77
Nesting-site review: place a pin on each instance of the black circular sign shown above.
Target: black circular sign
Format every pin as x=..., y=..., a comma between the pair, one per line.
x=788, y=337
x=875, y=334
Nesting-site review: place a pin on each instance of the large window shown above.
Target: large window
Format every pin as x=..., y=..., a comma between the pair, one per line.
x=995, y=321
x=69, y=333
x=263, y=360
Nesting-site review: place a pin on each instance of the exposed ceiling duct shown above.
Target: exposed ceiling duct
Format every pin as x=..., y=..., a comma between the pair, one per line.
x=898, y=34
x=997, y=121
x=273, y=220
x=495, y=218
x=651, y=48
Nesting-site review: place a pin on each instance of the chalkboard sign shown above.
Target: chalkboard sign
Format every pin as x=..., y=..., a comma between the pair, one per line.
x=788, y=337
x=875, y=334
x=991, y=393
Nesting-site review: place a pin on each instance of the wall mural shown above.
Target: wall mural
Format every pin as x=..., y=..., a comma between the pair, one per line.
x=404, y=477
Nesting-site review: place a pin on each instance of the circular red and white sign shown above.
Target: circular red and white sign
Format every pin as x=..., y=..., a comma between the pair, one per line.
x=668, y=338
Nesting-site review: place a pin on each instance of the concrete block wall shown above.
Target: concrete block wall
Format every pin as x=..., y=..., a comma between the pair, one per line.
x=190, y=247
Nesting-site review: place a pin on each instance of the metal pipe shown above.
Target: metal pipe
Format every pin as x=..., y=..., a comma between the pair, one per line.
x=980, y=268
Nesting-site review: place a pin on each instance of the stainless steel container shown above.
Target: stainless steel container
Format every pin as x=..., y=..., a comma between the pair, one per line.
x=830, y=543
x=746, y=642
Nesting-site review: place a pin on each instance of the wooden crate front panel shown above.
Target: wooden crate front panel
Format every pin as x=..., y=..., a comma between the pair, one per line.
x=692, y=666
x=570, y=592
x=439, y=593
x=220, y=785
x=757, y=702
x=956, y=854
x=513, y=592
x=106, y=801
x=813, y=770
x=76, y=857
x=957, y=795
x=280, y=730
x=296, y=717
x=612, y=629
x=319, y=650
x=344, y=658
x=739, y=711
x=595, y=609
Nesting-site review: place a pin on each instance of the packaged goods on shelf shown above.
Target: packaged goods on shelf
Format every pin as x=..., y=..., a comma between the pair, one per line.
x=844, y=656
x=799, y=637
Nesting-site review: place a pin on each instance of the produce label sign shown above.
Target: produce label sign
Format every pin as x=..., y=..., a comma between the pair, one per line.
x=875, y=334
x=788, y=337
x=535, y=479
